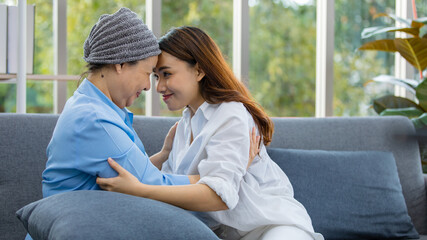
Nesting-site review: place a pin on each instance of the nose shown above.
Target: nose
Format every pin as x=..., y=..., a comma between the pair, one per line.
x=147, y=84
x=161, y=85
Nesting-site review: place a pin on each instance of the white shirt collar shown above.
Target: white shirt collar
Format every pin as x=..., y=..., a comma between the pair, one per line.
x=206, y=109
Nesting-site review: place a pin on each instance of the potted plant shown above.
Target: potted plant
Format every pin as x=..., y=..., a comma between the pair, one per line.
x=414, y=50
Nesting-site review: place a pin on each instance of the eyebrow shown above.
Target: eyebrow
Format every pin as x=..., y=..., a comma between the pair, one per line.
x=163, y=68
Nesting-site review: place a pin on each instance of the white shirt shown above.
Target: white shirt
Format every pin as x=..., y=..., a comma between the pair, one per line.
x=259, y=196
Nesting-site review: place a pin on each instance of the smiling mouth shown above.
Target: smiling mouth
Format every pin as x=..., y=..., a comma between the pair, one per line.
x=167, y=96
x=138, y=93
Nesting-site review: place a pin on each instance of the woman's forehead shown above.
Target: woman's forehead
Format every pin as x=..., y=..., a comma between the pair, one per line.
x=166, y=59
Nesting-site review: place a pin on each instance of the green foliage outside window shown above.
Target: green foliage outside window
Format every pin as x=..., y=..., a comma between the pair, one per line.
x=282, y=50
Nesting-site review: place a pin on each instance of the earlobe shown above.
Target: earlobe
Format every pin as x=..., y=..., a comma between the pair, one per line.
x=118, y=68
x=200, y=73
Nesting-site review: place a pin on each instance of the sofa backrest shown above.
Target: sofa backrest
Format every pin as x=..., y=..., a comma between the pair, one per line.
x=23, y=142
x=24, y=138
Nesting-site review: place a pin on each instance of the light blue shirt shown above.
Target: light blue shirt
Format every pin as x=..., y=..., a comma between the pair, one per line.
x=90, y=129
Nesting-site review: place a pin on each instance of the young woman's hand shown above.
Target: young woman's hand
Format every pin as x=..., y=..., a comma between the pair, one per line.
x=254, y=147
x=125, y=182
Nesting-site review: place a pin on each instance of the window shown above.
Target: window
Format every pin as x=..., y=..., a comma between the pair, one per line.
x=353, y=69
x=282, y=50
x=214, y=17
x=79, y=26
x=39, y=93
x=282, y=73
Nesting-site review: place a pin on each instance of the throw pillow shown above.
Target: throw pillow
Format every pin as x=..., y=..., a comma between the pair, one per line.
x=348, y=194
x=109, y=215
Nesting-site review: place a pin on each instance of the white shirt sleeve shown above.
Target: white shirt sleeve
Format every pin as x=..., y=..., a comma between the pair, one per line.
x=227, y=153
x=166, y=167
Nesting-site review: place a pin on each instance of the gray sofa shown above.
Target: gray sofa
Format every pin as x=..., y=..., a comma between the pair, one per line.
x=24, y=137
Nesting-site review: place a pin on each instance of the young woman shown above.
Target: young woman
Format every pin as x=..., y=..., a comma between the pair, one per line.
x=212, y=140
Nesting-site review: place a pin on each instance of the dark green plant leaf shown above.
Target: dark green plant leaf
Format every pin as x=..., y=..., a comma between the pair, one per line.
x=414, y=50
x=394, y=17
x=372, y=31
x=410, y=112
x=387, y=45
x=420, y=121
x=421, y=93
x=409, y=84
x=390, y=101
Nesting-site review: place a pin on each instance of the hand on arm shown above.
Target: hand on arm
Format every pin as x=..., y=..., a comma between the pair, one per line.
x=125, y=182
x=159, y=158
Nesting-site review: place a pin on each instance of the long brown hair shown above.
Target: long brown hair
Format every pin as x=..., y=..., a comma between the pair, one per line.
x=219, y=84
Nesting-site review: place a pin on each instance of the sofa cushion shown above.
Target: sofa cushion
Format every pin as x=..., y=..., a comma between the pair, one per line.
x=108, y=215
x=348, y=194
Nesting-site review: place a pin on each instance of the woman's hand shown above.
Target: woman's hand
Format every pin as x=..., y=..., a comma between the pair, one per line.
x=254, y=147
x=159, y=158
x=125, y=182
x=167, y=145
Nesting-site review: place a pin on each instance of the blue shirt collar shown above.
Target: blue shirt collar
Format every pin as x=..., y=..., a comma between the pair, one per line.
x=89, y=89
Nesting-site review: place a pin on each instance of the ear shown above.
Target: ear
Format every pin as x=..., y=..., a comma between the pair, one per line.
x=200, y=72
x=118, y=68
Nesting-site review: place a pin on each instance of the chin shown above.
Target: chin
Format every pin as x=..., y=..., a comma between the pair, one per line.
x=174, y=108
x=128, y=104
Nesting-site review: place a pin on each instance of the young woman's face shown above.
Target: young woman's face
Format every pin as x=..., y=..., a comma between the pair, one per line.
x=132, y=81
x=178, y=83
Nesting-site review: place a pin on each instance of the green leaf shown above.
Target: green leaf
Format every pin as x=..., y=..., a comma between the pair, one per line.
x=390, y=101
x=421, y=93
x=372, y=31
x=409, y=84
x=420, y=122
x=387, y=45
x=409, y=112
x=394, y=17
x=414, y=50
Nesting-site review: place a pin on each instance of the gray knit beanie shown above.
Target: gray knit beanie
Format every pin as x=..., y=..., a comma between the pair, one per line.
x=118, y=38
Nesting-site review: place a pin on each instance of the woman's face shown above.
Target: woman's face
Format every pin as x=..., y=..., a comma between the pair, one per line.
x=133, y=79
x=178, y=83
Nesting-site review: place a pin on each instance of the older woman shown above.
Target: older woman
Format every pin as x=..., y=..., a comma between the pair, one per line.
x=121, y=53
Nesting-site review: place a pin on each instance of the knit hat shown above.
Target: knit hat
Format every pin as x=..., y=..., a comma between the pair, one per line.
x=118, y=38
